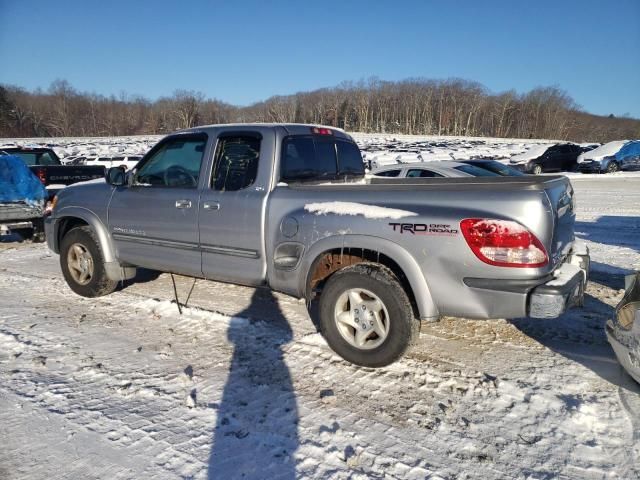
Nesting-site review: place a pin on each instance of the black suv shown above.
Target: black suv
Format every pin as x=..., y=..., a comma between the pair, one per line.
x=557, y=158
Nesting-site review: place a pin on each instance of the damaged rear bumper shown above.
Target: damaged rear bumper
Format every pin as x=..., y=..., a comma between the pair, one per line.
x=565, y=289
x=546, y=297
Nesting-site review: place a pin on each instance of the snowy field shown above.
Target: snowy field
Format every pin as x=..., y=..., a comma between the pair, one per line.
x=383, y=149
x=241, y=385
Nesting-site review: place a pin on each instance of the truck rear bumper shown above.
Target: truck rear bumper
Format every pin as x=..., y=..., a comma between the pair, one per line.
x=552, y=299
x=546, y=297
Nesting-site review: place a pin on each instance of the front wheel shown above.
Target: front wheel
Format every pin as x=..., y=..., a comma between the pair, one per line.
x=613, y=167
x=82, y=264
x=366, y=316
x=537, y=169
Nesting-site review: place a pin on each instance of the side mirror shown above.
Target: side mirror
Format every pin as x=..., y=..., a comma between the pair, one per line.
x=115, y=176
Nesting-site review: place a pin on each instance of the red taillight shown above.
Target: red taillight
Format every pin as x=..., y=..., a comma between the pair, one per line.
x=321, y=131
x=41, y=175
x=503, y=243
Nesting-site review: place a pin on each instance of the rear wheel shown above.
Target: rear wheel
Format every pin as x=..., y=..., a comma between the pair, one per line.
x=366, y=316
x=82, y=264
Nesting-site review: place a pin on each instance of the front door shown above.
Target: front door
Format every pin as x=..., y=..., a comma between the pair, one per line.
x=233, y=206
x=154, y=220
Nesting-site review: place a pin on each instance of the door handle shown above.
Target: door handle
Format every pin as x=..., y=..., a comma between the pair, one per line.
x=211, y=206
x=183, y=203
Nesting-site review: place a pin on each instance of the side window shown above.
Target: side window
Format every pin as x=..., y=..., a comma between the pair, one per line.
x=388, y=173
x=236, y=162
x=46, y=159
x=349, y=158
x=175, y=164
x=306, y=157
x=420, y=173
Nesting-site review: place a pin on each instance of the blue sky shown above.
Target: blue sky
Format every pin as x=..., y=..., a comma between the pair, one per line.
x=244, y=51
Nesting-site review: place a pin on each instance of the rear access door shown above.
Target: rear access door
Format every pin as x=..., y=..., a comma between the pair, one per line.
x=233, y=206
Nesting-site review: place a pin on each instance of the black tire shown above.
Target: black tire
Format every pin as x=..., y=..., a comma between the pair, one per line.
x=613, y=167
x=403, y=327
x=98, y=284
x=536, y=169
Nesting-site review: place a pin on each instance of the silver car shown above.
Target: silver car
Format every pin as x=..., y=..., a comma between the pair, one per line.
x=623, y=331
x=435, y=169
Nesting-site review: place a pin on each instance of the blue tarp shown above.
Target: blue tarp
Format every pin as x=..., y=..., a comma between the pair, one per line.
x=18, y=183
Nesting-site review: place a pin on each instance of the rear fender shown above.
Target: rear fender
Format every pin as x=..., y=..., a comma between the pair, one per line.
x=424, y=302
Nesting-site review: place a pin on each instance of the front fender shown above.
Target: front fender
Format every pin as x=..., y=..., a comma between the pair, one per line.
x=422, y=294
x=94, y=222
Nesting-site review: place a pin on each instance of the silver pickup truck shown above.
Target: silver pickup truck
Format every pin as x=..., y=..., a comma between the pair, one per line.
x=288, y=207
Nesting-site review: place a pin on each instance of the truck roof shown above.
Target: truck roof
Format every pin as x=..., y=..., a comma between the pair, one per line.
x=290, y=128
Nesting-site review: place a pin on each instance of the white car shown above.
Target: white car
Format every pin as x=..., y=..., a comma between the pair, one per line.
x=435, y=169
x=128, y=161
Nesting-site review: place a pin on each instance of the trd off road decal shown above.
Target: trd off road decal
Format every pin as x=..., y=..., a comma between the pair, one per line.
x=424, y=228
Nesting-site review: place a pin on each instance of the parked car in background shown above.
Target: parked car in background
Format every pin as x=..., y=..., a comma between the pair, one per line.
x=22, y=200
x=46, y=165
x=495, y=167
x=127, y=162
x=587, y=147
x=623, y=331
x=435, y=169
x=557, y=157
x=611, y=157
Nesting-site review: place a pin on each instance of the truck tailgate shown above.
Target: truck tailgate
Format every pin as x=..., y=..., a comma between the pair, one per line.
x=67, y=174
x=20, y=211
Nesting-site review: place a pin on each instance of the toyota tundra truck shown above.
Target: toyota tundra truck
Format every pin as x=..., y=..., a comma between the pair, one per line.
x=288, y=207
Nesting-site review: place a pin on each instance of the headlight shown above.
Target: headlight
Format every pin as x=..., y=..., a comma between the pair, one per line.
x=628, y=314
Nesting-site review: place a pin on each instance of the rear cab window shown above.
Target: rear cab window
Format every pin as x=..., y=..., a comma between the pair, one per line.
x=319, y=157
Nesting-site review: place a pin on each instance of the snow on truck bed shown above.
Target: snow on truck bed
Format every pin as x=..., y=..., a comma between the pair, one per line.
x=242, y=386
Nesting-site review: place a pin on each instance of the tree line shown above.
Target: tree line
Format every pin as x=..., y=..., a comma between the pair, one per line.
x=413, y=106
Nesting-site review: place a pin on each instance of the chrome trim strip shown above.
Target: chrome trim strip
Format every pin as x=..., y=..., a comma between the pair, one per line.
x=236, y=252
x=155, y=242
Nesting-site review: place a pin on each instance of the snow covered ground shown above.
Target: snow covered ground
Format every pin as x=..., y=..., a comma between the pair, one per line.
x=379, y=148
x=242, y=386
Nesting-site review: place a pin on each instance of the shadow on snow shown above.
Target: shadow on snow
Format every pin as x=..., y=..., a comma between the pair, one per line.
x=256, y=432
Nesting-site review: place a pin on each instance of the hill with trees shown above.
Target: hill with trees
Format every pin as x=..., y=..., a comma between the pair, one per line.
x=412, y=106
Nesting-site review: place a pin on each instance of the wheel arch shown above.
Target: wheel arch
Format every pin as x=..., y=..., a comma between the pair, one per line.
x=71, y=217
x=331, y=254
